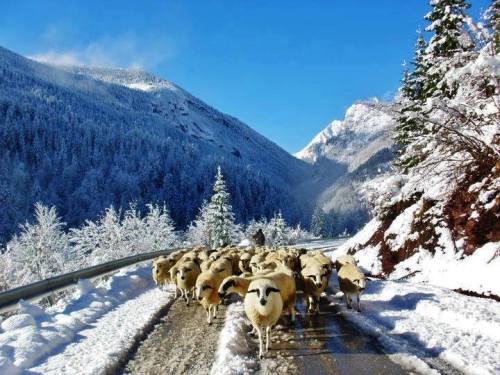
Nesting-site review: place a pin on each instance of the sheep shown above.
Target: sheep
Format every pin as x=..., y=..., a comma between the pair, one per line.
x=205, y=265
x=343, y=260
x=284, y=280
x=351, y=282
x=187, y=273
x=244, y=263
x=207, y=286
x=263, y=306
x=255, y=260
x=314, y=281
x=160, y=271
x=222, y=266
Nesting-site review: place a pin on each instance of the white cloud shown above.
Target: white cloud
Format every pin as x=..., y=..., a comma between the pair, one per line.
x=127, y=51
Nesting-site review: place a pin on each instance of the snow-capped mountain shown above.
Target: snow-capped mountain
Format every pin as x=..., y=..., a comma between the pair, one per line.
x=346, y=154
x=352, y=141
x=83, y=139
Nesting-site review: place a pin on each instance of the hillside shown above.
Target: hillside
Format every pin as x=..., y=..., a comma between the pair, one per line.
x=437, y=216
x=346, y=154
x=83, y=139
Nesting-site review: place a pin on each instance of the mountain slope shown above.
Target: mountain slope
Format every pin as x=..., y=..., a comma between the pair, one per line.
x=345, y=155
x=83, y=139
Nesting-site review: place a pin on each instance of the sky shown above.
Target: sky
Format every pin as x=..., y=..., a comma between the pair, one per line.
x=286, y=68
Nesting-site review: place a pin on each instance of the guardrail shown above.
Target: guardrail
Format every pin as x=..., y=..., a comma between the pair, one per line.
x=36, y=291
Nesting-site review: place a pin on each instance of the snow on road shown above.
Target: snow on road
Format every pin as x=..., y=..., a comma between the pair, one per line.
x=88, y=333
x=420, y=325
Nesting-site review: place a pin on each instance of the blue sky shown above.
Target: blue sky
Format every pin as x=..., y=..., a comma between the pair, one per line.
x=286, y=68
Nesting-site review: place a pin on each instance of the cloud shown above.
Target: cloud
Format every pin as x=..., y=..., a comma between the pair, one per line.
x=126, y=51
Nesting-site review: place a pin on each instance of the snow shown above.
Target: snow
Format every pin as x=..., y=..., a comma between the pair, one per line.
x=87, y=333
x=234, y=354
x=421, y=325
x=400, y=228
x=352, y=141
x=477, y=272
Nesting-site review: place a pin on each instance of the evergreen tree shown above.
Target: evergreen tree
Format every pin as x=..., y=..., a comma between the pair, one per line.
x=448, y=22
x=318, y=222
x=493, y=21
x=409, y=124
x=220, y=214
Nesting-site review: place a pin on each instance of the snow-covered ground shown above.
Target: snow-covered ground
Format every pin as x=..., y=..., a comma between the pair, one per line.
x=234, y=355
x=413, y=321
x=90, y=332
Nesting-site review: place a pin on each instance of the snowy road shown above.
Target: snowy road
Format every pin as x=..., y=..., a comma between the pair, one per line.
x=127, y=325
x=182, y=343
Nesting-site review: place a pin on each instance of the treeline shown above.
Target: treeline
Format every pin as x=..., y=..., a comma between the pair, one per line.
x=46, y=247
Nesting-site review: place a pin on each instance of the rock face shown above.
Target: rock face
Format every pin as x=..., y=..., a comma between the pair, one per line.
x=448, y=235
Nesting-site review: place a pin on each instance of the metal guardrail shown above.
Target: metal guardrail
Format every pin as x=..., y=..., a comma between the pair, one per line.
x=36, y=291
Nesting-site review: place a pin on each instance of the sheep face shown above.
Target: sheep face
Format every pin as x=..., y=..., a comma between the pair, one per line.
x=360, y=284
x=203, y=290
x=317, y=275
x=184, y=271
x=263, y=293
x=265, y=296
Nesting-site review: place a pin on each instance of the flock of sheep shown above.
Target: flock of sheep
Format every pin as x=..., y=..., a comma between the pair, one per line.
x=267, y=279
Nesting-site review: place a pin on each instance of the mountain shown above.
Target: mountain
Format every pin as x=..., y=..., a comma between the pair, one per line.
x=86, y=138
x=346, y=154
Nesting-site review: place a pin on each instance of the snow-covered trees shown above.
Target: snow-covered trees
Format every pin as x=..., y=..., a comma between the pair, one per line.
x=41, y=248
x=318, y=222
x=220, y=217
x=449, y=103
x=197, y=232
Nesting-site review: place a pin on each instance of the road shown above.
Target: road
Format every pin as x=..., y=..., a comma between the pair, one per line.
x=183, y=343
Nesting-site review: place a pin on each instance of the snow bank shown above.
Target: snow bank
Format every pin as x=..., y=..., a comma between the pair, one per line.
x=89, y=332
x=234, y=354
x=478, y=272
x=420, y=325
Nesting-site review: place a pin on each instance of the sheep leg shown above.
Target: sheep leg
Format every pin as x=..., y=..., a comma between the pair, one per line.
x=292, y=313
x=209, y=315
x=359, y=305
x=188, y=298
x=349, y=302
x=268, y=337
x=261, y=353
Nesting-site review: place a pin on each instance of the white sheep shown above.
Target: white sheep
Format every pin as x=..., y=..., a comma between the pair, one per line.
x=343, y=260
x=314, y=282
x=283, y=279
x=351, y=282
x=207, y=286
x=263, y=306
x=187, y=273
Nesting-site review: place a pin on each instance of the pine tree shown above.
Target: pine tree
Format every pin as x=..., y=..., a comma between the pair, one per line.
x=493, y=21
x=220, y=214
x=409, y=125
x=451, y=39
x=318, y=222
